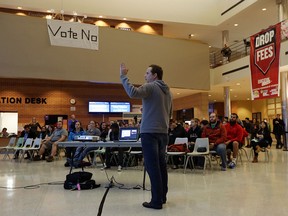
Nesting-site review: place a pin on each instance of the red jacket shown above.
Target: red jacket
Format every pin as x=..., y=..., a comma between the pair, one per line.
x=234, y=132
x=216, y=135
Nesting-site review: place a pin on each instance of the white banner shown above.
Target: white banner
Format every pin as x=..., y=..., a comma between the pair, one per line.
x=73, y=34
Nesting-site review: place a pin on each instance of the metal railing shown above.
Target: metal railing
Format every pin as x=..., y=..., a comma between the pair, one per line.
x=238, y=50
x=241, y=49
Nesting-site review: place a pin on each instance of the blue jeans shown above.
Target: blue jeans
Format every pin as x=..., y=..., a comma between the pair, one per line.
x=221, y=151
x=81, y=152
x=154, y=152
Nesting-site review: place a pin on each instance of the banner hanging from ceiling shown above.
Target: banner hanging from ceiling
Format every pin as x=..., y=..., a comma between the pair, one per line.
x=73, y=34
x=264, y=63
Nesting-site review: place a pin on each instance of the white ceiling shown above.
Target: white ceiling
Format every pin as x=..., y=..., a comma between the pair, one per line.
x=179, y=18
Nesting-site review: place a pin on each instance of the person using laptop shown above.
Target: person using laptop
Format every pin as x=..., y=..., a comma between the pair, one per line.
x=157, y=110
x=114, y=136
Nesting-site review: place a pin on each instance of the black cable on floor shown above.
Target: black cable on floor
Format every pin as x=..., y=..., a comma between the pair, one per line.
x=33, y=186
x=104, y=197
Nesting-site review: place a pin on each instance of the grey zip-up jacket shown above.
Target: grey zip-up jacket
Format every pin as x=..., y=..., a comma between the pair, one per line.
x=156, y=102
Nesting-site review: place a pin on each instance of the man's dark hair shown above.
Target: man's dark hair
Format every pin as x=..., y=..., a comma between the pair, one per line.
x=158, y=70
x=234, y=114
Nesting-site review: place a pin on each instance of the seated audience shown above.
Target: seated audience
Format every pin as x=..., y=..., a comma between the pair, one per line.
x=77, y=131
x=81, y=152
x=216, y=133
x=193, y=133
x=248, y=127
x=234, y=139
x=26, y=133
x=262, y=139
x=51, y=143
x=43, y=133
x=114, y=135
x=4, y=133
x=175, y=130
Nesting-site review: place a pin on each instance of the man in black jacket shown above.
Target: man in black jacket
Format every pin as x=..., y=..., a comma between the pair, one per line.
x=278, y=130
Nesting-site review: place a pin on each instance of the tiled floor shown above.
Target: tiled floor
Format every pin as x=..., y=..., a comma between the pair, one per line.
x=250, y=189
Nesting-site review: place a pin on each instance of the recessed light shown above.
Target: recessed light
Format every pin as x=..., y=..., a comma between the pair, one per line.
x=238, y=84
x=124, y=18
x=147, y=20
x=264, y=9
x=210, y=46
x=248, y=98
x=209, y=95
x=236, y=24
x=214, y=100
x=235, y=96
x=100, y=16
x=191, y=35
x=178, y=93
x=19, y=8
x=231, y=89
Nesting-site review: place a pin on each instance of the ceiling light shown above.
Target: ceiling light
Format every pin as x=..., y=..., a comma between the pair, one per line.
x=48, y=16
x=238, y=84
x=236, y=24
x=214, y=100
x=248, y=98
x=74, y=13
x=191, y=35
x=178, y=93
x=124, y=18
x=264, y=9
x=210, y=46
x=19, y=8
x=209, y=95
x=100, y=16
x=147, y=20
x=235, y=96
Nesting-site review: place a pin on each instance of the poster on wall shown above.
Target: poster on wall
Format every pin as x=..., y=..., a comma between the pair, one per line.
x=264, y=63
x=73, y=34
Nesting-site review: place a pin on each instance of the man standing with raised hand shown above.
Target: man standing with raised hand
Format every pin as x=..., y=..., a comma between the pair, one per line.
x=157, y=110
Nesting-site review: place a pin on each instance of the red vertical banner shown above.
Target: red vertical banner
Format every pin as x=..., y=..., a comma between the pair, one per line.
x=264, y=63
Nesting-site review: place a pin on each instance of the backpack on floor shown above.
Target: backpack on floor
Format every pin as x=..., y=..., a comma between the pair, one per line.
x=80, y=181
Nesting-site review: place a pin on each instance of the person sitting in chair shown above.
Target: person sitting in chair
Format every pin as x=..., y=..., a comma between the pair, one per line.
x=51, y=143
x=261, y=140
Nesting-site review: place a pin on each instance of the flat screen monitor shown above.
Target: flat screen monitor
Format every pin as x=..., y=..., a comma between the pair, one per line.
x=119, y=107
x=98, y=107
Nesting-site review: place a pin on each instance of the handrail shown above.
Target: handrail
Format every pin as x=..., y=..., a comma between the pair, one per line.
x=239, y=50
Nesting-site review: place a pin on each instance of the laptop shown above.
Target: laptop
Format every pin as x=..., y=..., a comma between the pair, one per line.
x=128, y=134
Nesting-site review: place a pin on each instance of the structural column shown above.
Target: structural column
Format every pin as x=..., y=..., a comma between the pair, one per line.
x=282, y=15
x=225, y=37
x=227, y=102
x=284, y=97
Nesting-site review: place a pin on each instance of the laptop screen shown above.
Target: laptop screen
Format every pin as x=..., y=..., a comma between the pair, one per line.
x=128, y=134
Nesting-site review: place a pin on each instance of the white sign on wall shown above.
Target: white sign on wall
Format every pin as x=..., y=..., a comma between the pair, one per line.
x=9, y=120
x=73, y=34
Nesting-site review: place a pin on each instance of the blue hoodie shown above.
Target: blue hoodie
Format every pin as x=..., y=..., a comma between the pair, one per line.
x=156, y=102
